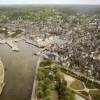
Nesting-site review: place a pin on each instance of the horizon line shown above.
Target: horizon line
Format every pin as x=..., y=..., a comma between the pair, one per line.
x=45, y=4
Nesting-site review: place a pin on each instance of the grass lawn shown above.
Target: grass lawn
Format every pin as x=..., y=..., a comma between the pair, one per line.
x=78, y=85
x=95, y=94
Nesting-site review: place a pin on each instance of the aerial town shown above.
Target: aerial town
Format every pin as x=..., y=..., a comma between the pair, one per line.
x=49, y=53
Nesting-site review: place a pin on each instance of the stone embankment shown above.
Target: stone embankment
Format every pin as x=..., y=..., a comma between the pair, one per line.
x=1, y=76
x=33, y=97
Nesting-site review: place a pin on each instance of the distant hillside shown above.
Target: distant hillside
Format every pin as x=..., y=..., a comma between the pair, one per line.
x=73, y=7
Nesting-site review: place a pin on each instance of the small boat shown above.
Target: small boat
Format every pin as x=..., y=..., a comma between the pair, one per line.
x=1, y=76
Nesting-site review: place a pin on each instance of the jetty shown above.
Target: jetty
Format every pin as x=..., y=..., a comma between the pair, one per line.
x=14, y=47
x=2, y=41
x=39, y=44
x=30, y=42
x=10, y=43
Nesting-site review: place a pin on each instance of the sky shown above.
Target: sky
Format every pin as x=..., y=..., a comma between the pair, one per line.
x=10, y=2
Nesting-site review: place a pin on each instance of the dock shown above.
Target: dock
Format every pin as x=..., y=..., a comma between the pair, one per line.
x=11, y=44
x=40, y=44
x=2, y=41
x=31, y=42
x=14, y=47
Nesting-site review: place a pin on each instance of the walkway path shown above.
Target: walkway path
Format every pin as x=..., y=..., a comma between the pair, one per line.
x=70, y=79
